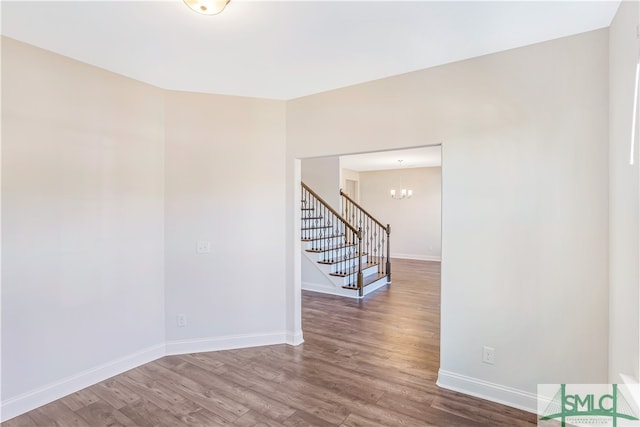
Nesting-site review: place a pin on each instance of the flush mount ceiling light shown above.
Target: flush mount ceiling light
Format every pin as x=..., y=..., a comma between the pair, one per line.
x=207, y=7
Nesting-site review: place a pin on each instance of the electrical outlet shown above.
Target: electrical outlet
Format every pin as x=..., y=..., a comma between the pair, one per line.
x=489, y=355
x=182, y=320
x=203, y=247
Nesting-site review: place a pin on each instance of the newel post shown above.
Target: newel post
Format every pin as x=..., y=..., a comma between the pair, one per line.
x=360, y=277
x=388, y=253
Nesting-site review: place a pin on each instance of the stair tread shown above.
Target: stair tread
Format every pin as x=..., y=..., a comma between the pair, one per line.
x=338, y=261
x=332, y=248
x=316, y=228
x=367, y=281
x=311, y=239
x=354, y=269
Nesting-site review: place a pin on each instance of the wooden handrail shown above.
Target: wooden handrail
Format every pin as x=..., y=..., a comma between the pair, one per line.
x=372, y=230
x=343, y=194
x=360, y=229
x=333, y=211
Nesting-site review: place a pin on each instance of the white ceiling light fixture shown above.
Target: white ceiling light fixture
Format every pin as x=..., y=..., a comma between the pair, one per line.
x=404, y=193
x=207, y=7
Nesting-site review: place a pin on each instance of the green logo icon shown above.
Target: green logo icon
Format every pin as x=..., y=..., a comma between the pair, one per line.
x=584, y=406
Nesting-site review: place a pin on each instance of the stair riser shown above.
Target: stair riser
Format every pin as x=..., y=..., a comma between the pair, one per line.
x=335, y=254
x=313, y=233
x=331, y=241
x=317, y=232
x=312, y=222
x=336, y=267
x=353, y=278
x=376, y=285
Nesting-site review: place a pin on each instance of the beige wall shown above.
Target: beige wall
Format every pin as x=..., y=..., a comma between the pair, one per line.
x=415, y=222
x=351, y=175
x=82, y=222
x=101, y=174
x=322, y=174
x=224, y=184
x=525, y=190
x=623, y=197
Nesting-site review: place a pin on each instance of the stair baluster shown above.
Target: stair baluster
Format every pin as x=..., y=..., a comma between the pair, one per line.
x=332, y=236
x=375, y=234
x=353, y=243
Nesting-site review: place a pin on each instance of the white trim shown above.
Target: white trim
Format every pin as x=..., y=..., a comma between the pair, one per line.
x=372, y=287
x=489, y=391
x=318, y=287
x=295, y=338
x=330, y=290
x=35, y=398
x=202, y=345
x=30, y=400
x=416, y=256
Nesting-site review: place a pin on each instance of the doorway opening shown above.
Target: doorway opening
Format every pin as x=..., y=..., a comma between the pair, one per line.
x=416, y=236
x=369, y=178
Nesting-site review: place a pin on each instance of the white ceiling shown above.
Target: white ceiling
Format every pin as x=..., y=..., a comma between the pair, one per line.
x=411, y=158
x=288, y=49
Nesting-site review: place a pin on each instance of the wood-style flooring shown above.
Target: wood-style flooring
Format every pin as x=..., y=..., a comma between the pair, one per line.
x=368, y=363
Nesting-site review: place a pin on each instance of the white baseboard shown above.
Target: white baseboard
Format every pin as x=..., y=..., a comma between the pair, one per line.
x=295, y=338
x=15, y=406
x=33, y=399
x=418, y=257
x=318, y=287
x=375, y=286
x=202, y=345
x=489, y=391
x=331, y=290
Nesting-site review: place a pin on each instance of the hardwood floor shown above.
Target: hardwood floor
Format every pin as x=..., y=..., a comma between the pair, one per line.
x=363, y=363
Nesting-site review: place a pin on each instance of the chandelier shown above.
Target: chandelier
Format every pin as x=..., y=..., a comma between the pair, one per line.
x=404, y=193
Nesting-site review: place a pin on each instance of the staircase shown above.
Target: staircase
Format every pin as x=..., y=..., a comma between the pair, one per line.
x=349, y=250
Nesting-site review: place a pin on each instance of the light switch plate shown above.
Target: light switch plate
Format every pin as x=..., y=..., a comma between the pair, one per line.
x=203, y=247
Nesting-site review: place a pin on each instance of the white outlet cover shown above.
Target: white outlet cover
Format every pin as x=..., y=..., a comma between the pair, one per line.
x=488, y=355
x=182, y=320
